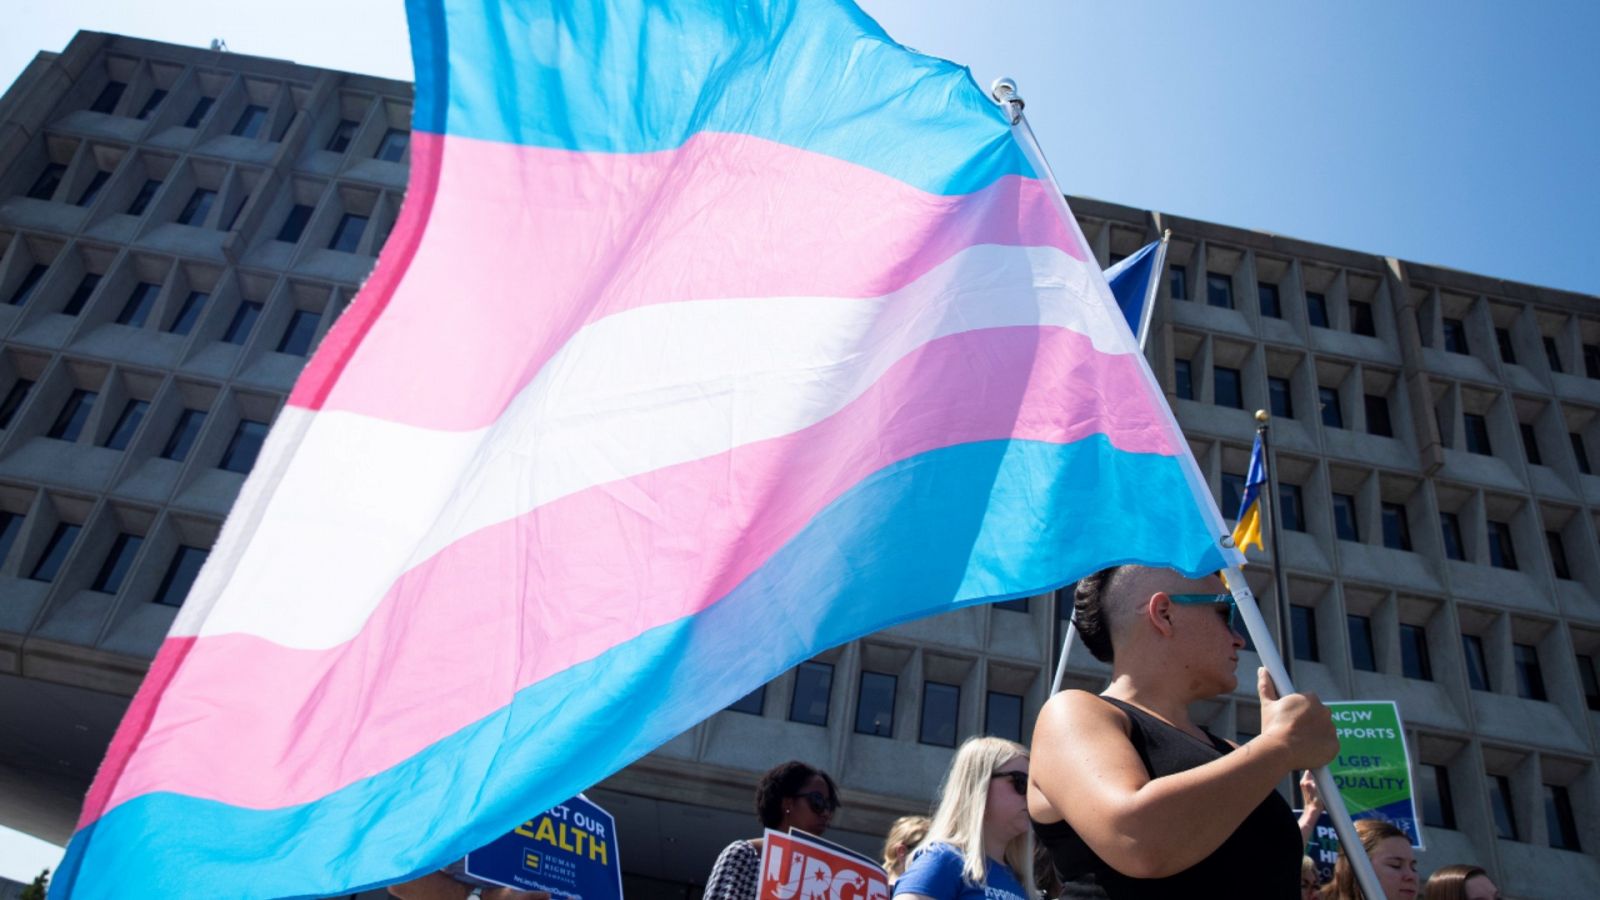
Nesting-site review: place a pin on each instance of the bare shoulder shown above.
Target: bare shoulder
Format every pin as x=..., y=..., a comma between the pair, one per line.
x=1074, y=711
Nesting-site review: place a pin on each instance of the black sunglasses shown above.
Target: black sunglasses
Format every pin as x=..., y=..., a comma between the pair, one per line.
x=1019, y=781
x=820, y=804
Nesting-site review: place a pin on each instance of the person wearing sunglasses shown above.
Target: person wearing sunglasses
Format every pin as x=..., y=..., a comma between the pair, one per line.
x=791, y=795
x=1131, y=796
x=980, y=846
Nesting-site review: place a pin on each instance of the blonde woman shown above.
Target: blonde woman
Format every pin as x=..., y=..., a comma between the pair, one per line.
x=980, y=845
x=904, y=836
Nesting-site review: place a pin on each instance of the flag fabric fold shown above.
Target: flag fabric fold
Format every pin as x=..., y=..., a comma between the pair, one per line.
x=1247, y=530
x=710, y=335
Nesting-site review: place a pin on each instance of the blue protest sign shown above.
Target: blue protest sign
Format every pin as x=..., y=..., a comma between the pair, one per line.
x=570, y=851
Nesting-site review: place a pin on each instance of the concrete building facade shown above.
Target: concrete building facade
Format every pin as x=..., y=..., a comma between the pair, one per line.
x=178, y=228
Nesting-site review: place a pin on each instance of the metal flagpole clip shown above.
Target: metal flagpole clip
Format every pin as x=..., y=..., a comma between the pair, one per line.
x=1004, y=92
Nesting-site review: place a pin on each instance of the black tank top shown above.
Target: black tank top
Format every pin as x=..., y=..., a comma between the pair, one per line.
x=1260, y=859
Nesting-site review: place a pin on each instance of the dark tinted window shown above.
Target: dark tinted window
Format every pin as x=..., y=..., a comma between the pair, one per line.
x=1455, y=336
x=81, y=294
x=393, y=146
x=109, y=95
x=1591, y=360
x=940, y=703
x=1378, y=422
x=1228, y=390
x=1477, y=663
x=1502, y=550
x=69, y=423
x=1219, y=290
x=244, y=318
x=1361, y=320
x=189, y=312
x=1345, y=525
x=1530, y=444
x=180, y=575
x=1508, y=353
x=11, y=526
x=44, y=187
x=54, y=552
x=1552, y=355
x=198, y=113
x=244, y=447
x=1450, y=530
x=1232, y=493
x=1303, y=625
x=875, y=704
x=342, y=133
x=92, y=190
x=1580, y=452
x=1002, y=716
x=198, y=207
x=117, y=562
x=1438, y=805
x=1332, y=415
x=137, y=308
x=1178, y=282
x=1396, y=527
x=1289, y=506
x=299, y=333
x=1558, y=554
x=812, y=683
x=1414, y=662
x=19, y=297
x=251, y=121
x=1183, y=384
x=15, y=397
x=1362, y=655
x=752, y=703
x=1505, y=824
x=127, y=424
x=1586, y=666
x=1530, y=675
x=1018, y=605
x=183, y=435
x=347, y=237
x=1558, y=817
x=151, y=102
x=294, y=224
x=1267, y=295
x=1317, y=309
x=1280, y=398
x=1477, y=431
x=142, y=199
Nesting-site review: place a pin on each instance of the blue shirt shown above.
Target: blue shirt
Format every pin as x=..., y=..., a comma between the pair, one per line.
x=937, y=872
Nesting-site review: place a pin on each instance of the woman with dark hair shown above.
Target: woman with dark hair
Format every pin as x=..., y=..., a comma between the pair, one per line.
x=1390, y=852
x=1460, y=882
x=790, y=795
x=1131, y=796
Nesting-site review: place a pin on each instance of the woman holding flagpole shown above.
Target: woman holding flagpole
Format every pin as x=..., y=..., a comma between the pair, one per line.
x=1132, y=797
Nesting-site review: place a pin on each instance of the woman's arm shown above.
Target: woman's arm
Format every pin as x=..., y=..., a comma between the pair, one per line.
x=1311, y=810
x=1088, y=773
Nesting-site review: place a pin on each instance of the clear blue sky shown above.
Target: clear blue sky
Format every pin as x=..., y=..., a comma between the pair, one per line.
x=1465, y=133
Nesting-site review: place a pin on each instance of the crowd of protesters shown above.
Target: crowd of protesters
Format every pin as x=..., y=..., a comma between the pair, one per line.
x=1123, y=795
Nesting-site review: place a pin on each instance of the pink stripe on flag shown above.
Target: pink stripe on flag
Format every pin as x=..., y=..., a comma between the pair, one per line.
x=523, y=246
x=512, y=604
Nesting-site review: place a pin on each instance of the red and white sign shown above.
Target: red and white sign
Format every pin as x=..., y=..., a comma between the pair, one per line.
x=797, y=866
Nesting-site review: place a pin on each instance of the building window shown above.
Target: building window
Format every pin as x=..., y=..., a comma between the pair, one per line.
x=1591, y=360
x=140, y=301
x=109, y=97
x=1477, y=431
x=69, y=423
x=875, y=704
x=11, y=526
x=1303, y=628
x=181, y=572
x=183, y=435
x=127, y=425
x=1018, y=605
x=1361, y=319
x=294, y=224
x=15, y=397
x=1280, y=398
x=1586, y=667
x=940, y=704
x=1344, y=518
x=1289, y=507
x=1178, y=282
x=1438, y=806
x=1552, y=355
x=151, y=103
x=1580, y=452
x=244, y=447
x=1505, y=824
x=1530, y=676
x=147, y=191
x=117, y=563
x=1328, y=399
x=198, y=207
x=1362, y=654
x=752, y=703
x=1317, y=309
x=393, y=146
x=1477, y=663
x=19, y=297
x=1183, y=383
x=1530, y=444
x=44, y=187
x=343, y=133
x=1378, y=421
x=1219, y=290
x=1450, y=530
x=1558, y=555
x=1267, y=294
x=302, y=329
x=1559, y=820
x=55, y=552
x=1396, y=527
x=1414, y=662
x=1232, y=493
x=1502, y=550
x=1002, y=716
x=92, y=191
x=81, y=295
x=347, y=237
x=1508, y=353
x=244, y=318
x=1228, y=390
x=189, y=313
x=1455, y=336
x=813, y=681
x=198, y=114
x=250, y=121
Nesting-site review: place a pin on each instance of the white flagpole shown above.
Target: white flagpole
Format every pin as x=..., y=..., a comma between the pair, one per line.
x=1004, y=92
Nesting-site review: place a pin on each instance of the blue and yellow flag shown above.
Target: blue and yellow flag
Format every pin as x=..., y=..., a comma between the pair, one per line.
x=1248, y=531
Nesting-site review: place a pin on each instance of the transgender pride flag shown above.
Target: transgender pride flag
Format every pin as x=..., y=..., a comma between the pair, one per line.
x=711, y=335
